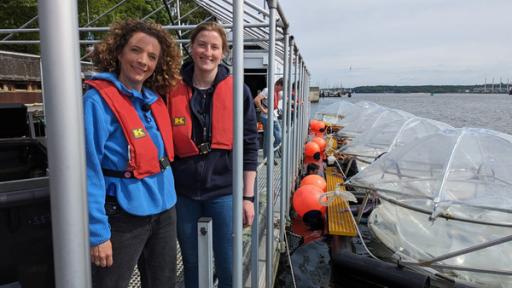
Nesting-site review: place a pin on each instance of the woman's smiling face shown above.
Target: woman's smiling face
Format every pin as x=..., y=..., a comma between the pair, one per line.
x=207, y=51
x=138, y=60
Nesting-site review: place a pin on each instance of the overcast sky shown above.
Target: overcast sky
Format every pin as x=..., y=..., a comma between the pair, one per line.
x=403, y=42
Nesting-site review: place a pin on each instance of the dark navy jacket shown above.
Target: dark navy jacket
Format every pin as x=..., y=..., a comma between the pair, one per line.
x=203, y=177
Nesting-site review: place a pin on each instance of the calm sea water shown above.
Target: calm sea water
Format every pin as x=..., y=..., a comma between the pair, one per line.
x=491, y=111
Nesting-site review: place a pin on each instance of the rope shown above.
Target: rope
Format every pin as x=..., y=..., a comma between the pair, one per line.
x=290, y=260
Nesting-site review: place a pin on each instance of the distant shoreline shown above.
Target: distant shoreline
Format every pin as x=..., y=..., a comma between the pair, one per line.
x=481, y=88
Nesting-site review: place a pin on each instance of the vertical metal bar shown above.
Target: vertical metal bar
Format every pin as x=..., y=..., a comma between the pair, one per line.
x=62, y=87
x=255, y=239
x=31, y=127
x=284, y=145
x=270, y=144
x=205, y=250
x=303, y=131
x=238, y=90
x=178, y=11
x=298, y=136
x=296, y=147
x=289, y=127
x=303, y=104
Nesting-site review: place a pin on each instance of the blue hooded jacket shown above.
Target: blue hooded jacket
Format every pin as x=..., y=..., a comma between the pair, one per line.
x=106, y=147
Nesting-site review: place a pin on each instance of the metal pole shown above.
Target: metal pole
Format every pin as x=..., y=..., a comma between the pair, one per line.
x=295, y=118
x=298, y=137
x=31, y=127
x=284, y=155
x=255, y=238
x=269, y=143
x=21, y=27
x=238, y=90
x=62, y=87
x=467, y=250
x=289, y=156
x=303, y=103
x=205, y=250
x=178, y=11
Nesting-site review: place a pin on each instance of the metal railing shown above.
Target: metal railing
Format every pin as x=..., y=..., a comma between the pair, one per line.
x=59, y=34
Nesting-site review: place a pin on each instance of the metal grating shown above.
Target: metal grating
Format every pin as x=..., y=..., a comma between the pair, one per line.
x=338, y=211
x=135, y=280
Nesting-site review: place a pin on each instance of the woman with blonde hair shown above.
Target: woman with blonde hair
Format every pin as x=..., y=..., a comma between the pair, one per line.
x=129, y=147
x=201, y=109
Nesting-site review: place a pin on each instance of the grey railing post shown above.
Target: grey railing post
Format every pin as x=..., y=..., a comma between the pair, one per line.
x=238, y=90
x=295, y=143
x=205, y=252
x=284, y=155
x=62, y=87
x=255, y=239
x=270, y=143
x=289, y=126
x=31, y=127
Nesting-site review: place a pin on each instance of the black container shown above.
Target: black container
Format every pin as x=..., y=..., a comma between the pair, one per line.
x=25, y=227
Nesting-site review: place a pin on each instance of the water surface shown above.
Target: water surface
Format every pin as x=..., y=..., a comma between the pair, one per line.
x=491, y=111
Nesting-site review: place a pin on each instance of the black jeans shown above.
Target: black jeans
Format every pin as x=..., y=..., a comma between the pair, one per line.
x=148, y=241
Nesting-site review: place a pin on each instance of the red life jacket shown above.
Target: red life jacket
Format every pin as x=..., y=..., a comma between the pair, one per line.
x=276, y=99
x=222, y=118
x=143, y=154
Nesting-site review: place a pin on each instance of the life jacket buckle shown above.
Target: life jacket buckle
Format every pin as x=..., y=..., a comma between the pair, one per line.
x=204, y=148
x=164, y=163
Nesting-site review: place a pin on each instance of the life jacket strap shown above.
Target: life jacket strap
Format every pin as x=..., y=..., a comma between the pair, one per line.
x=164, y=164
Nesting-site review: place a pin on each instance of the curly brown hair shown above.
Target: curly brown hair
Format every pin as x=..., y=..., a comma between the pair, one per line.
x=167, y=71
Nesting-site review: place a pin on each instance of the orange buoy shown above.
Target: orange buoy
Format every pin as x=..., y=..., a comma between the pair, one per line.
x=316, y=180
x=321, y=143
x=313, y=123
x=305, y=199
x=312, y=150
x=317, y=126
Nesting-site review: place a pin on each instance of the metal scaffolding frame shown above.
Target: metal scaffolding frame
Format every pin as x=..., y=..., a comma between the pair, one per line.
x=60, y=39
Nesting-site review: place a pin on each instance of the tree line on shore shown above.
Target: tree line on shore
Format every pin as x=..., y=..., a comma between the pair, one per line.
x=432, y=89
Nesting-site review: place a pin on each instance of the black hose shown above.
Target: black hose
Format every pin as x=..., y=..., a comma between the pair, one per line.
x=347, y=264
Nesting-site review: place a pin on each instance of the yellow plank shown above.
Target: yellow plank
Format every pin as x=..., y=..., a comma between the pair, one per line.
x=339, y=220
x=332, y=145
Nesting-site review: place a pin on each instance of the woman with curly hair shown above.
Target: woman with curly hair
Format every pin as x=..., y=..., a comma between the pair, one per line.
x=129, y=147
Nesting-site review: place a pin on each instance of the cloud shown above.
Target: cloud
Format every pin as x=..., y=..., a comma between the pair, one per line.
x=403, y=41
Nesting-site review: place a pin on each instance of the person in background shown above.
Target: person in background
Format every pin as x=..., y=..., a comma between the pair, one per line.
x=261, y=102
x=129, y=147
x=201, y=109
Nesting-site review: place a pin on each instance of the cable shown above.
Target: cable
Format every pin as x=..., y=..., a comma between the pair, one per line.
x=290, y=260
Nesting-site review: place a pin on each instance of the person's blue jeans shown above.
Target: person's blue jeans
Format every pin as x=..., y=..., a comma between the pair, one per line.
x=220, y=209
x=277, y=134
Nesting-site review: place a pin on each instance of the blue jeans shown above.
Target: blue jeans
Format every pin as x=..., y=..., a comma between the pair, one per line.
x=277, y=133
x=220, y=209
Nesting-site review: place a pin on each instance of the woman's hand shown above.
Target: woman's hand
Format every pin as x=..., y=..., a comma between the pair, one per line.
x=248, y=208
x=101, y=255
